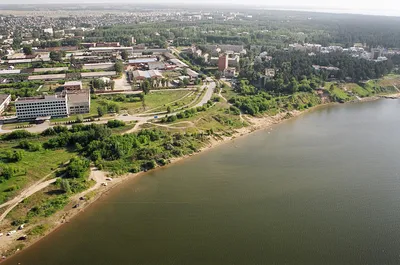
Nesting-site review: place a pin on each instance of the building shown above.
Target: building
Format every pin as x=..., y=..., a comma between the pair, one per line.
x=5, y=99
x=142, y=61
x=108, y=44
x=151, y=74
x=98, y=66
x=53, y=69
x=34, y=107
x=78, y=102
x=98, y=74
x=47, y=77
x=156, y=65
x=179, y=63
x=73, y=85
x=66, y=103
x=222, y=62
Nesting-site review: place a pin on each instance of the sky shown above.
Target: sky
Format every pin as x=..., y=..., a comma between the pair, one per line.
x=382, y=7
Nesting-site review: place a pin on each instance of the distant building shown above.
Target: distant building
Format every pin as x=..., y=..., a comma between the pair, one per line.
x=5, y=99
x=73, y=85
x=108, y=44
x=222, y=62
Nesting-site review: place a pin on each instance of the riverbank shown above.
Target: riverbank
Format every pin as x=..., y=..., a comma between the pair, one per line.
x=66, y=215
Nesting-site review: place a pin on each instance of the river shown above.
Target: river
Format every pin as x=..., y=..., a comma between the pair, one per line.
x=323, y=188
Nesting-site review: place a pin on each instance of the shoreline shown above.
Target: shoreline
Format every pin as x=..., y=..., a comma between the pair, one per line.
x=69, y=213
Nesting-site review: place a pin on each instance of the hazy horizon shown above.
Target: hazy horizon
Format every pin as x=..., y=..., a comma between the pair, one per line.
x=384, y=7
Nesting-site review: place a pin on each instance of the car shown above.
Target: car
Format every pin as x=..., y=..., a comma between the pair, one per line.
x=109, y=179
x=11, y=232
x=155, y=117
x=75, y=206
x=104, y=184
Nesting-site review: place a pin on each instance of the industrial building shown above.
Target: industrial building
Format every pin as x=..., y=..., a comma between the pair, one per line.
x=60, y=105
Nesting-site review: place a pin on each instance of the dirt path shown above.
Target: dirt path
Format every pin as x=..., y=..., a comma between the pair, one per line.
x=171, y=126
x=25, y=194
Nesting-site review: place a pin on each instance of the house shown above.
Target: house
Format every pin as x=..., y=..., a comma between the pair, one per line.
x=5, y=99
x=73, y=85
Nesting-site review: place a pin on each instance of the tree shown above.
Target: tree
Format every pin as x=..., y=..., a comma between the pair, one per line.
x=56, y=56
x=145, y=86
x=119, y=67
x=186, y=82
x=27, y=50
x=100, y=111
x=112, y=84
x=218, y=75
x=124, y=55
x=169, y=109
x=65, y=186
x=77, y=168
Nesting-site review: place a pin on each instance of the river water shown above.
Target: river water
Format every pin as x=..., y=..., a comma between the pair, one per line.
x=323, y=188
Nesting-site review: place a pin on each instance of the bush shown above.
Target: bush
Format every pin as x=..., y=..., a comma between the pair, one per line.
x=115, y=124
x=77, y=168
x=29, y=146
x=18, y=134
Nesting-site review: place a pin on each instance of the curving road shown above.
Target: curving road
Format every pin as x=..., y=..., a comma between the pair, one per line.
x=141, y=118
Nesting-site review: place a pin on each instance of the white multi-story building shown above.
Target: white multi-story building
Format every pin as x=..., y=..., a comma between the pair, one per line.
x=33, y=107
x=61, y=105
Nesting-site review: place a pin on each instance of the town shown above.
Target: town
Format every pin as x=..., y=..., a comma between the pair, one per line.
x=91, y=95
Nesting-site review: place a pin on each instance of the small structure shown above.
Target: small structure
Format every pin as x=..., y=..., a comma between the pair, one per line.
x=73, y=85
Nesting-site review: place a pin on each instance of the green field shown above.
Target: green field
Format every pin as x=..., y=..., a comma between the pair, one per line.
x=37, y=165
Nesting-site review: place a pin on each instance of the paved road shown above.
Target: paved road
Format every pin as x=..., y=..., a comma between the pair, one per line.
x=141, y=118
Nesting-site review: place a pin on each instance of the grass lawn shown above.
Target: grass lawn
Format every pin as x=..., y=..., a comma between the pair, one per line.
x=356, y=89
x=36, y=165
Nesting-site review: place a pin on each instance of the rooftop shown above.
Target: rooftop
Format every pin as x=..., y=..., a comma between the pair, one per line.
x=73, y=83
x=143, y=60
x=78, y=96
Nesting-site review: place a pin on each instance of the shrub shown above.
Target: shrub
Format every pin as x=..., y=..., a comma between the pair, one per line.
x=115, y=124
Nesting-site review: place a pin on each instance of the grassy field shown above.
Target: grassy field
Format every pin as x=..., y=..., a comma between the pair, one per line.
x=36, y=165
x=157, y=100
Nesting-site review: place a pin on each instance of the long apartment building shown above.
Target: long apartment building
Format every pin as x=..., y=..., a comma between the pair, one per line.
x=60, y=105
